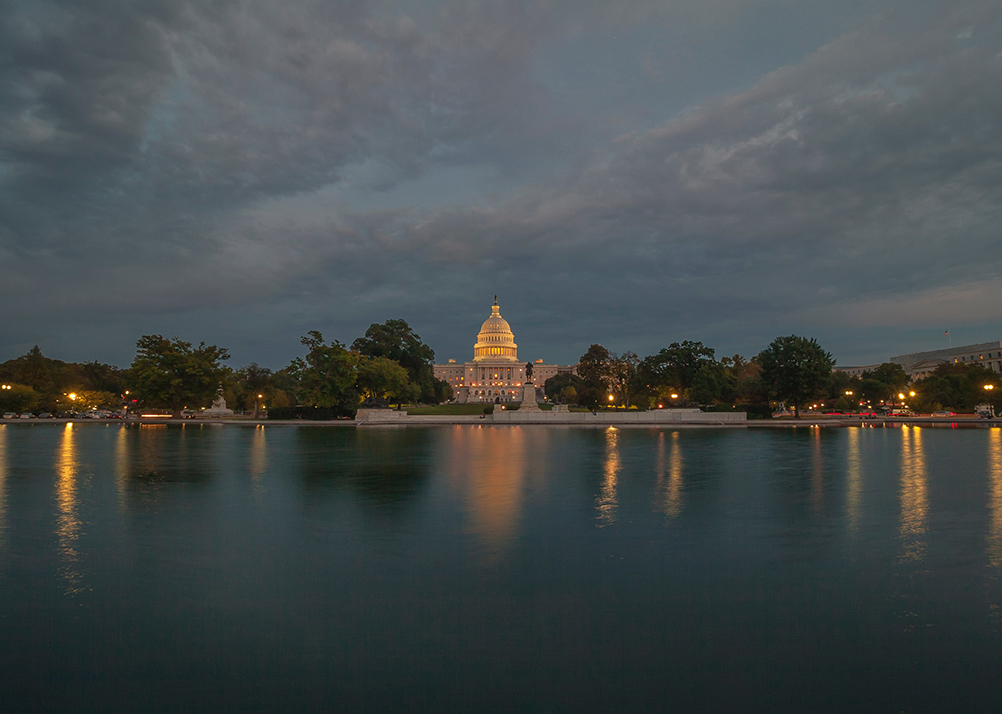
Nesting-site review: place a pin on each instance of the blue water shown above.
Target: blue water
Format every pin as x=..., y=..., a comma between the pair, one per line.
x=479, y=568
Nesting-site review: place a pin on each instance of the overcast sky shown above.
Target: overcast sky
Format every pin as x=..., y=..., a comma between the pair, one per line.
x=628, y=173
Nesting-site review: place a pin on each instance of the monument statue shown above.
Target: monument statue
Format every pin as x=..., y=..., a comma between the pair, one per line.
x=528, y=371
x=218, y=407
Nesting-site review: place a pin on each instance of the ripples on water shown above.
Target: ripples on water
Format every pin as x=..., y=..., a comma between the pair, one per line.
x=502, y=569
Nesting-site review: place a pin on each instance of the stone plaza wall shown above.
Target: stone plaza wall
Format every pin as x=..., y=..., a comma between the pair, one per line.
x=658, y=416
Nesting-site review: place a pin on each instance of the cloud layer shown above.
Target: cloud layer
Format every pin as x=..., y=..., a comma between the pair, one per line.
x=242, y=173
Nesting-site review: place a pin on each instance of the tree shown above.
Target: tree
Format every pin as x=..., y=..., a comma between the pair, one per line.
x=82, y=400
x=595, y=369
x=796, y=369
x=563, y=388
x=395, y=340
x=327, y=375
x=382, y=378
x=17, y=398
x=245, y=384
x=172, y=374
x=623, y=376
x=713, y=384
x=674, y=369
x=959, y=387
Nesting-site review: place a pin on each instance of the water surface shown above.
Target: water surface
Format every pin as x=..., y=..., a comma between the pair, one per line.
x=479, y=568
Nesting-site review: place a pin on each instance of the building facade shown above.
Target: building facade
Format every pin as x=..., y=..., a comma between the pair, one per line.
x=495, y=375
x=919, y=365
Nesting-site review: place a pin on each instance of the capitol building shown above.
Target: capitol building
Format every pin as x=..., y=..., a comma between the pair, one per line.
x=495, y=375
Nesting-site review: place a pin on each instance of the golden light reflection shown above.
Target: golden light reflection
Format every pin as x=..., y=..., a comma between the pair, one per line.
x=995, y=475
x=670, y=487
x=258, y=457
x=914, y=495
x=817, y=471
x=606, y=504
x=122, y=465
x=67, y=503
x=488, y=466
x=853, y=478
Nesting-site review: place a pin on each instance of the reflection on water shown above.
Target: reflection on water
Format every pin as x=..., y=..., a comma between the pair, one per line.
x=606, y=503
x=995, y=476
x=670, y=488
x=68, y=519
x=387, y=467
x=123, y=464
x=258, y=458
x=817, y=472
x=853, y=476
x=489, y=465
x=914, y=495
x=3, y=482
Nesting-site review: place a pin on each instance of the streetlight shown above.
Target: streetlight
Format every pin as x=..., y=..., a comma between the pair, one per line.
x=848, y=392
x=674, y=396
x=989, y=387
x=911, y=394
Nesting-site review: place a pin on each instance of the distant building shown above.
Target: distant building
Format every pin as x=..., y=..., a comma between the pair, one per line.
x=495, y=374
x=919, y=365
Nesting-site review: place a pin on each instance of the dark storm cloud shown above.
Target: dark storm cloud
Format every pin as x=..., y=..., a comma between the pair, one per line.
x=235, y=168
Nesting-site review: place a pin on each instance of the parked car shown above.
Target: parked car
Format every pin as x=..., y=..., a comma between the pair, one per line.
x=26, y=415
x=9, y=415
x=944, y=413
x=44, y=415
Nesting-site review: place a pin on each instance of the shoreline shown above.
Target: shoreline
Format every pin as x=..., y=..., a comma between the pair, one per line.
x=426, y=420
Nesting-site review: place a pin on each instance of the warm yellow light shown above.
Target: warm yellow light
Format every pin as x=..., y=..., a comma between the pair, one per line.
x=849, y=392
x=126, y=391
x=661, y=406
x=989, y=386
x=260, y=396
x=610, y=397
x=72, y=396
x=901, y=396
x=674, y=396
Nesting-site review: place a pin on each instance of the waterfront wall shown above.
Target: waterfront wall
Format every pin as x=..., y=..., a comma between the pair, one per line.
x=659, y=416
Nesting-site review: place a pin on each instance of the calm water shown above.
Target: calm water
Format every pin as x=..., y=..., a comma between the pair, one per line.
x=499, y=569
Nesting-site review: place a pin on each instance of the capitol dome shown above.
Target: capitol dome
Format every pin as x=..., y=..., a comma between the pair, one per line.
x=495, y=341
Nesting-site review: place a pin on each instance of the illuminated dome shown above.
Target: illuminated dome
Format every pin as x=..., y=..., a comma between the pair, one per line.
x=495, y=341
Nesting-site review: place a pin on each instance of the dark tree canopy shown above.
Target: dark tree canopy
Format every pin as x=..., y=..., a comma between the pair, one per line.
x=960, y=387
x=796, y=369
x=327, y=375
x=395, y=340
x=171, y=374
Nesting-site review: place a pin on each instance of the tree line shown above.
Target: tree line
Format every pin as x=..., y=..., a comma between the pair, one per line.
x=389, y=363
x=793, y=371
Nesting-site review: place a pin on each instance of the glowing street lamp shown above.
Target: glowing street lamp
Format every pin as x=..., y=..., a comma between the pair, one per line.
x=911, y=394
x=989, y=387
x=901, y=396
x=72, y=396
x=674, y=396
x=848, y=392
